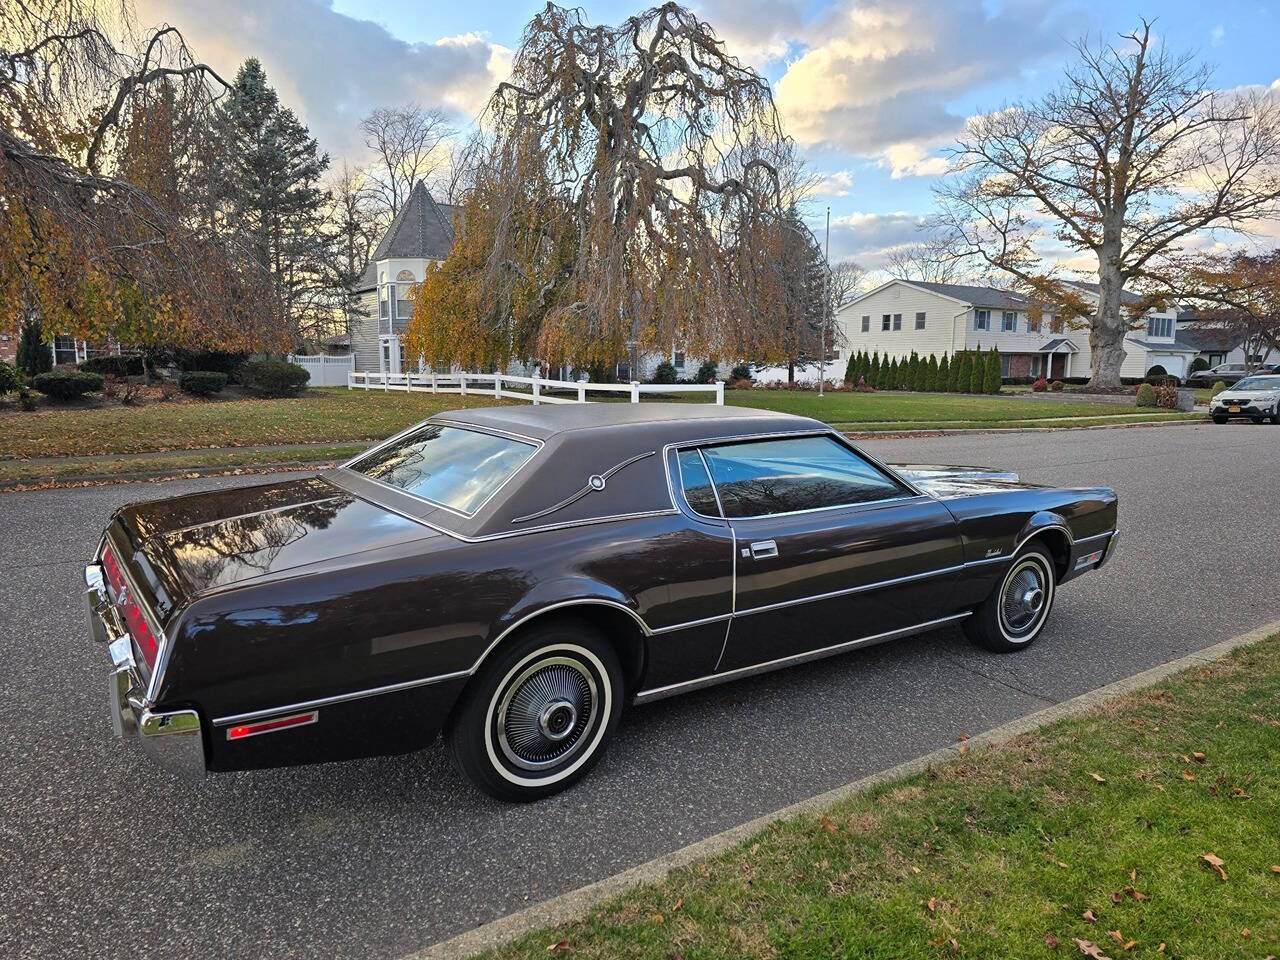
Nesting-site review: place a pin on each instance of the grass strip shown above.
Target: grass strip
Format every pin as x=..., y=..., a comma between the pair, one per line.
x=1144, y=827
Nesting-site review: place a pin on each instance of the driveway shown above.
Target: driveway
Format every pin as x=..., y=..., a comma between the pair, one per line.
x=103, y=855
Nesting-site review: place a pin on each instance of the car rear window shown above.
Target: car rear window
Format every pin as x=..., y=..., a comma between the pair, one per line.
x=763, y=477
x=455, y=468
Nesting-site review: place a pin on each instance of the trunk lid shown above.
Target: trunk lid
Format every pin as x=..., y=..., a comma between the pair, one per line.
x=180, y=548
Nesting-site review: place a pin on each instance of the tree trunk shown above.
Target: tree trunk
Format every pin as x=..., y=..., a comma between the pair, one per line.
x=791, y=372
x=1109, y=326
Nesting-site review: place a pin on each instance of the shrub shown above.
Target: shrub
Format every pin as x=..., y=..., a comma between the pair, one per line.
x=201, y=383
x=740, y=372
x=209, y=361
x=991, y=383
x=25, y=400
x=123, y=366
x=1157, y=370
x=10, y=382
x=665, y=373
x=1056, y=385
x=1217, y=388
x=708, y=372
x=274, y=378
x=34, y=356
x=67, y=384
x=1198, y=364
x=1146, y=395
x=1041, y=385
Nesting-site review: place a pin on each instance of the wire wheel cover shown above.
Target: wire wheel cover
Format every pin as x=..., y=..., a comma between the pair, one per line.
x=545, y=712
x=1024, y=598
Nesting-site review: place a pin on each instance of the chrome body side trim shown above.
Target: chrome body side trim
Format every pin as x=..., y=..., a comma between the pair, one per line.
x=306, y=705
x=658, y=693
x=862, y=588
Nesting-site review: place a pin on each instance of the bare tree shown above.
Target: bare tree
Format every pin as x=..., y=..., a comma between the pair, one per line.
x=847, y=278
x=357, y=221
x=99, y=137
x=455, y=177
x=627, y=201
x=1132, y=154
x=405, y=142
x=929, y=261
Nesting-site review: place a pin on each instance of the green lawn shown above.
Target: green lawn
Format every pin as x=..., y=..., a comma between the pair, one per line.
x=1094, y=836
x=333, y=415
x=343, y=420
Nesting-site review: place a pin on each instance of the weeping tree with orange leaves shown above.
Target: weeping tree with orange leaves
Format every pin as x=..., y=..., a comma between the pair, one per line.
x=631, y=183
x=103, y=141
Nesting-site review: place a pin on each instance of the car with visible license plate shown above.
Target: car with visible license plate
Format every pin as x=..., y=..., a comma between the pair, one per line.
x=1256, y=398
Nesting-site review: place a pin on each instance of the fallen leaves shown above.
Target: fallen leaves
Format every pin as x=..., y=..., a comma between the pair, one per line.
x=1091, y=949
x=1088, y=917
x=560, y=947
x=1052, y=942
x=1275, y=868
x=1099, y=777
x=1188, y=775
x=828, y=824
x=1216, y=862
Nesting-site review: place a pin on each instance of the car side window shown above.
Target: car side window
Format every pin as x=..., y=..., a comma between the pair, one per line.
x=761, y=477
x=696, y=483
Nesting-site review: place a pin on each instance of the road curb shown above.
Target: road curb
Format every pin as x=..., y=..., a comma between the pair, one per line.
x=966, y=431
x=576, y=903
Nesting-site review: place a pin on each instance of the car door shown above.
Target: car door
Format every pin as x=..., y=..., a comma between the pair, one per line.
x=832, y=548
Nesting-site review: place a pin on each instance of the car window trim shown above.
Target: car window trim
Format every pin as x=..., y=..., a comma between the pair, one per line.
x=914, y=492
x=489, y=431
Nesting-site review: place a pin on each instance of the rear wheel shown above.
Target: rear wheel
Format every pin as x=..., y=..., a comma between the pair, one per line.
x=1015, y=612
x=539, y=713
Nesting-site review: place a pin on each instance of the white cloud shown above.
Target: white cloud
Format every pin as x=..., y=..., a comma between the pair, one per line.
x=870, y=237
x=879, y=78
x=1216, y=35
x=836, y=184
x=333, y=69
x=756, y=31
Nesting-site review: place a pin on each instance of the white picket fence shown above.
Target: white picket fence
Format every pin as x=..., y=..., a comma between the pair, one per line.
x=326, y=371
x=533, y=389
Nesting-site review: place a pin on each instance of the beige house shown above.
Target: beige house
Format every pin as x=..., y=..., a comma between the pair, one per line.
x=900, y=316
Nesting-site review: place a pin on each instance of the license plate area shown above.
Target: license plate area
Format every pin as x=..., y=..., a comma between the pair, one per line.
x=1233, y=409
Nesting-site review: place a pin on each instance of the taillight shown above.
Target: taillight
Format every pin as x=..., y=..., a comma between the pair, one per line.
x=127, y=604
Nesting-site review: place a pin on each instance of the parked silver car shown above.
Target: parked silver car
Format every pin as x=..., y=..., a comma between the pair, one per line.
x=1257, y=398
x=1228, y=373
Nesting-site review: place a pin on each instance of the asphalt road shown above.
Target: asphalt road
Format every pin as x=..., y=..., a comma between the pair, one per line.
x=103, y=855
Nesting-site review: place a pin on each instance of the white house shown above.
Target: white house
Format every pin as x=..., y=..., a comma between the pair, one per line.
x=1215, y=344
x=900, y=316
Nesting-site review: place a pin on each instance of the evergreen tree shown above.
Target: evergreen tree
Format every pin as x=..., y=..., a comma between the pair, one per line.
x=874, y=378
x=931, y=378
x=943, y=383
x=977, y=371
x=893, y=374
x=270, y=200
x=34, y=355
x=962, y=372
x=992, y=384
x=851, y=369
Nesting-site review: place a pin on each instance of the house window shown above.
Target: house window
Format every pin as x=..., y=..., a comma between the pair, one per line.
x=897, y=321
x=64, y=350
x=885, y=320
x=405, y=281
x=1160, y=327
x=384, y=303
x=1035, y=365
x=1004, y=364
x=1009, y=321
x=919, y=321
x=982, y=319
x=1033, y=324
x=1055, y=324
x=866, y=324
x=677, y=359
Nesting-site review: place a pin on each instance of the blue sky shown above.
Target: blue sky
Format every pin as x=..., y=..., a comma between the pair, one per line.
x=873, y=90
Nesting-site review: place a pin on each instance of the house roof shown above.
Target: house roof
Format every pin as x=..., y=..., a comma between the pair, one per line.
x=1059, y=344
x=1093, y=288
x=421, y=229
x=976, y=296
x=1157, y=347
x=1206, y=338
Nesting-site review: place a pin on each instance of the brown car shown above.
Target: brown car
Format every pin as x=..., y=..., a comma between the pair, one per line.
x=513, y=576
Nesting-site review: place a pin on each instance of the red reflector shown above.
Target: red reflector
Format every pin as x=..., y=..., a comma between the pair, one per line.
x=271, y=726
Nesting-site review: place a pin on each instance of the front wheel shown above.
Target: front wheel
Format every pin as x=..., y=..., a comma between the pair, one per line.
x=1219, y=419
x=539, y=713
x=1016, y=611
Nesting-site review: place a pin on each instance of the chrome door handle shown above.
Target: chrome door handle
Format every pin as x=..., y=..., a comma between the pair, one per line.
x=763, y=549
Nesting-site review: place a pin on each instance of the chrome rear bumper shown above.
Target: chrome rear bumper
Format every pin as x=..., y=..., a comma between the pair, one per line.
x=173, y=739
